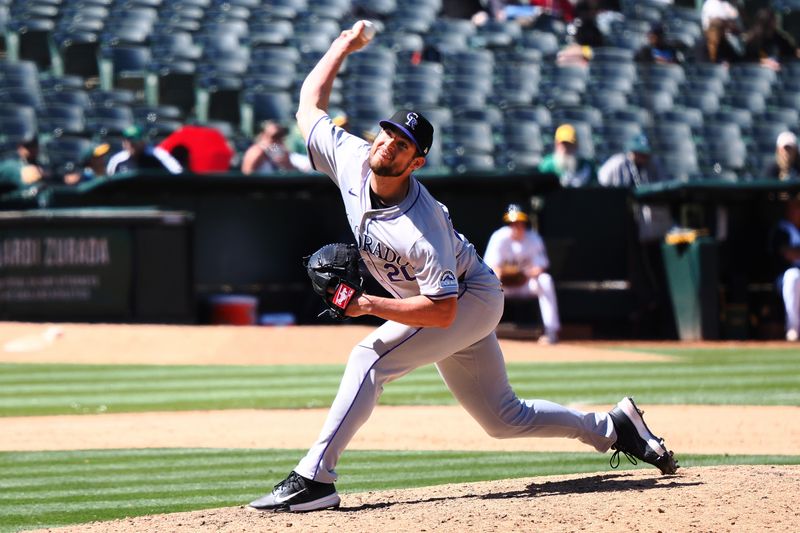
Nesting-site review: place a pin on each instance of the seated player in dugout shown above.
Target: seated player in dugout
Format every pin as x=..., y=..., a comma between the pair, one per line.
x=517, y=255
x=447, y=302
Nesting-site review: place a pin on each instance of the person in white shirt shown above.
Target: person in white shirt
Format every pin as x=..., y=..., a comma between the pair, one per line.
x=139, y=154
x=517, y=255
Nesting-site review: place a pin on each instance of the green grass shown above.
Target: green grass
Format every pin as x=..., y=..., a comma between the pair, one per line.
x=719, y=376
x=44, y=489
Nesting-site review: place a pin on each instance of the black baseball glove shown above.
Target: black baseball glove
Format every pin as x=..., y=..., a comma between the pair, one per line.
x=335, y=276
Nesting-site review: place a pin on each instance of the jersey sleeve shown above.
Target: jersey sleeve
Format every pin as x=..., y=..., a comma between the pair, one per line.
x=435, y=268
x=330, y=148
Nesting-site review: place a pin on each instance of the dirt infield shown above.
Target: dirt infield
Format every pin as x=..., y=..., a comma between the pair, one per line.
x=708, y=499
x=720, y=499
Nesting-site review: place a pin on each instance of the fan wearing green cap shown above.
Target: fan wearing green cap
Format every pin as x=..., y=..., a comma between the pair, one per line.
x=139, y=154
x=633, y=167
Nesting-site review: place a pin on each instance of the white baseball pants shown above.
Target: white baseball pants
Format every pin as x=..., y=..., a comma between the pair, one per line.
x=790, y=291
x=471, y=364
x=545, y=290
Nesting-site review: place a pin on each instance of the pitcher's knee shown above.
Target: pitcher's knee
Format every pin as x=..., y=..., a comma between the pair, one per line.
x=499, y=429
x=362, y=356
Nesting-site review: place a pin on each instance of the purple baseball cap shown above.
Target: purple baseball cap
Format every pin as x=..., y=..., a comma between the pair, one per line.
x=414, y=126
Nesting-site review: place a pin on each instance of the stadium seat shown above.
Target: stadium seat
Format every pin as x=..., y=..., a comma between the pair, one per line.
x=269, y=32
x=611, y=55
x=461, y=163
x=680, y=166
x=755, y=102
x=331, y=9
x=765, y=133
x=21, y=96
x=614, y=135
x=173, y=82
x=258, y=106
x=497, y=34
x=707, y=102
x=52, y=82
x=742, y=117
x=654, y=101
x=111, y=97
x=605, y=99
x=418, y=90
x=689, y=115
x=34, y=39
x=65, y=153
x=587, y=114
x=375, y=8
x=78, y=50
x=522, y=136
x=61, y=119
x=16, y=128
x=533, y=113
x=107, y=121
x=218, y=97
x=546, y=43
x=470, y=137
x=124, y=67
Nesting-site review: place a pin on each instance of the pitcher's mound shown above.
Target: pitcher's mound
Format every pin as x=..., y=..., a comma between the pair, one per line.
x=728, y=498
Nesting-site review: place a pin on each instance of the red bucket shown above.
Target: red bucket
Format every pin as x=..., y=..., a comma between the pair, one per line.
x=234, y=310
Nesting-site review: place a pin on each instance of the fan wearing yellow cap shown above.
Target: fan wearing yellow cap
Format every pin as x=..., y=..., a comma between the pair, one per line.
x=92, y=164
x=565, y=161
x=517, y=255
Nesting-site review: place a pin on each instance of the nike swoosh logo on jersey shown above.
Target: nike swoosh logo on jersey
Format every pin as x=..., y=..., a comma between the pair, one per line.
x=350, y=191
x=283, y=499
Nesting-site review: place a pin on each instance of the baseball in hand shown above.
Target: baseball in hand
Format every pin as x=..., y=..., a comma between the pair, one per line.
x=369, y=30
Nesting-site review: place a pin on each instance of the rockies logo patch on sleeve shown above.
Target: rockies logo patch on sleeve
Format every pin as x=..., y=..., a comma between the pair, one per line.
x=448, y=280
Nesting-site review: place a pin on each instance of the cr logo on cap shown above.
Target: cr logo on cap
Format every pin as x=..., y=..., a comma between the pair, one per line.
x=411, y=120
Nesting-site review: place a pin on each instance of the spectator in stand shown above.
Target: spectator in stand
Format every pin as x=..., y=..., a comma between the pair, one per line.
x=722, y=10
x=92, y=165
x=766, y=43
x=517, y=255
x=715, y=47
x=560, y=9
x=584, y=29
x=24, y=169
x=461, y=9
x=268, y=153
x=786, y=165
x=139, y=154
x=785, y=248
x=633, y=167
x=572, y=170
x=658, y=49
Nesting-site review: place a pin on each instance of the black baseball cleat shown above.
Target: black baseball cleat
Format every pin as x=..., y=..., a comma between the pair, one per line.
x=635, y=440
x=298, y=494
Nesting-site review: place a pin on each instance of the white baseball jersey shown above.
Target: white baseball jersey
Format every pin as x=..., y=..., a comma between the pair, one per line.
x=410, y=248
x=503, y=250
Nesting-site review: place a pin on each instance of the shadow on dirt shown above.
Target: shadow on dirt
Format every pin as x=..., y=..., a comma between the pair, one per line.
x=600, y=483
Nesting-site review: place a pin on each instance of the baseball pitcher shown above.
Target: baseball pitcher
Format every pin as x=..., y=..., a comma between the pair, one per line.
x=445, y=307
